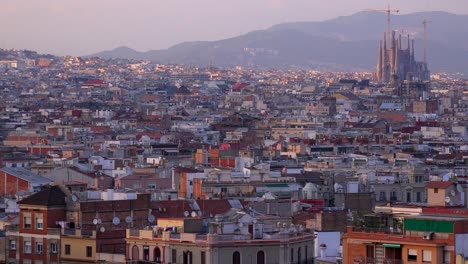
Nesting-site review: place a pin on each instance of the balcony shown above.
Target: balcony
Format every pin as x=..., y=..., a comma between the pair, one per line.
x=383, y=230
x=77, y=232
x=363, y=260
x=54, y=231
x=148, y=234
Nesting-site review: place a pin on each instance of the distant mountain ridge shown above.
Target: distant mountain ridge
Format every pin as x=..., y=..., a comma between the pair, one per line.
x=344, y=43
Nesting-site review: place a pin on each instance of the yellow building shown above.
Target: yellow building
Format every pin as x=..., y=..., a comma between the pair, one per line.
x=77, y=248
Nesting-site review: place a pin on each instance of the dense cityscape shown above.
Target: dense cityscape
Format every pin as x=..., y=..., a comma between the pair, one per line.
x=133, y=161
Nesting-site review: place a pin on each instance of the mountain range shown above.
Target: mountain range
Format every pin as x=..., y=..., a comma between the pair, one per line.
x=343, y=43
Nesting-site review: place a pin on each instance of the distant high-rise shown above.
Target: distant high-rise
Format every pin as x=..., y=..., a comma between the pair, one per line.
x=396, y=63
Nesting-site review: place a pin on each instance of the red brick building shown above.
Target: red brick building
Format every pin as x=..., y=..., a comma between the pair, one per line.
x=14, y=180
x=418, y=239
x=37, y=237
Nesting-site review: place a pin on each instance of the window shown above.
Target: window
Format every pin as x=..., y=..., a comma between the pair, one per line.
x=418, y=197
x=187, y=257
x=13, y=244
x=27, y=222
x=89, y=252
x=427, y=256
x=157, y=255
x=203, y=257
x=412, y=255
x=39, y=222
x=306, y=254
x=67, y=250
x=418, y=179
x=39, y=248
x=446, y=256
x=299, y=255
x=236, y=258
x=135, y=252
x=174, y=256
x=436, y=190
x=261, y=257
x=393, y=196
x=27, y=247
x=383, y=196
x=146, y=253
x=292, y=255
x=53, y=247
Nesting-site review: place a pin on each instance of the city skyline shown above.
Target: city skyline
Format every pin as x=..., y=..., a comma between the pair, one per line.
x=86, y=27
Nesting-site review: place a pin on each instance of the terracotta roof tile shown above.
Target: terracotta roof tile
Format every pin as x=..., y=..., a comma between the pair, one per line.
x=439, y=184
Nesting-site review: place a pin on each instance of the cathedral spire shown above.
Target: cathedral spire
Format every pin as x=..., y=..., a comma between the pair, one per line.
x=386, y=62
x=399, y=41
x=379, y=63
x=409, y=48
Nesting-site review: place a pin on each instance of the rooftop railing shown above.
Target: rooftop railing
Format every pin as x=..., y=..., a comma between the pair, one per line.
x=385, y=230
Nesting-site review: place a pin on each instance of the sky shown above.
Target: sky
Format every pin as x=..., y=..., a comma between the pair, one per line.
x=83, y=27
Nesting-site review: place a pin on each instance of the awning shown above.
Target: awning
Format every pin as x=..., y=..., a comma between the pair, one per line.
x=392, y=245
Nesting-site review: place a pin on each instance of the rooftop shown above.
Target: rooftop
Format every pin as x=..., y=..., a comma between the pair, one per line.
x=439, y=184
x=27, y=175
x=50, y=196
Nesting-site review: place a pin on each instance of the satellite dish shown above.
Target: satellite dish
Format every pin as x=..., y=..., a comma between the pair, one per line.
x=102, y=229
x=151, y=218
x=95, y=221
x=199, y=213
x=452, y=192
x=240, y=224
x=128, y=219
x=74, y=198
x=459, y=188
x=186, y=213
x=194, y=214
x=116, y=220
x=447, y=199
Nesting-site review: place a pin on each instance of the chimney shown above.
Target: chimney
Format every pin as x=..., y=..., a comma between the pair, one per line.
x=323, y=249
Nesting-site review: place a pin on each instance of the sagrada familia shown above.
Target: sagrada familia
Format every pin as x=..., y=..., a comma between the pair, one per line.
x=397, y=64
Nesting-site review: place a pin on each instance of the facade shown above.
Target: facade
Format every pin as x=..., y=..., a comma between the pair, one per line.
x=77, y=248
x=233, y=241
x=37, y=239
x=14, y=180
x=418, y=239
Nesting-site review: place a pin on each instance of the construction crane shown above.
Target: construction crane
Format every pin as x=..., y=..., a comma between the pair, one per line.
x=389, y=12
x=425, y=23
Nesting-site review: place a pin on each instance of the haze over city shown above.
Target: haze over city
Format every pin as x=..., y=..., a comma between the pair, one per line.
x=234, y=132
x=82, y=27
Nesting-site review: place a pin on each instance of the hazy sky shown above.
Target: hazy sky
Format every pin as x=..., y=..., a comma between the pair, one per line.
x=81, y=27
